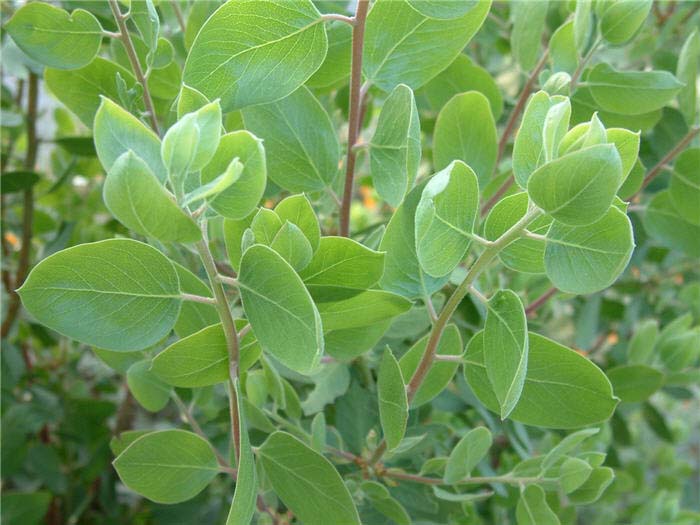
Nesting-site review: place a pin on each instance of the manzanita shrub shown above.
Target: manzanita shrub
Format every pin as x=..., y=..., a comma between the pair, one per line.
x=358, y=262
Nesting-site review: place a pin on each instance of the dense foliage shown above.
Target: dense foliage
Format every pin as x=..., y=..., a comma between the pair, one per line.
x=330, y=262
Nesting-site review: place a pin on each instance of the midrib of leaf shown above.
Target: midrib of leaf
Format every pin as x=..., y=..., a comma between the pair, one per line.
x=106, y=292
x=275, y=303
x=395, y=46
x=591, y=181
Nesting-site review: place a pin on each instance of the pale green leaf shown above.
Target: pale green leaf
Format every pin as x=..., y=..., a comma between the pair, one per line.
x=528, y=26
x=393, y=405
x=291, y=243
x=216, y=186
x=265, y=226
x=687, y=72
x=318, y=433
x=556, y=124
x=566, y=445
x=622, y=19
x=467, y=454
x=151, y=393
x=442, y=10
x=562, y=48
x=593, y=487
x=342, y=262
x=349, y=343
x=528, y=153
x=193, y=315
x=234, y=230
x=635, y=383
x=245, y=494
x=342, y=308
x=684, y=189
x=331, y=382
x=533, y=509
x=641, y=345
x=298, y=210
x=336, y=67
x=189, y=101
x=573, y=473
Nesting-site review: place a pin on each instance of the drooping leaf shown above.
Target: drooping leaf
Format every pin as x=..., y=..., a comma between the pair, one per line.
x=533, y=509
x=306, y=482
x=344, y=263
x=684, y=189
x=167, y=466
x=393, y=405
x=117, y=294
x=562, y=388
x=281, y=312
x=467, y=454
x=242, y=65
x=151, y=393
x=395, y=149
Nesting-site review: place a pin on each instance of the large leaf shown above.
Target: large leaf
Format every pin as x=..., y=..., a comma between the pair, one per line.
x=167, y=466
x=116, y=294
x=136, y=198
x=55, y=38
x=506, y=348
x=395, y=150
x=445, y=218
x=300, y=141
x=306, y=482
x=562, y=388
x=243, y=65
x=465, y=130
x=586, y=259
x=344, y=263
x=393, y=405
x=396, y=33
x=244, y=497
x=281, y=312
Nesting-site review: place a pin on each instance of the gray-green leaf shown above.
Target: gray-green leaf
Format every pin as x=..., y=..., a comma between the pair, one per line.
x=393, y=405
x=467, y=454
x=344, y=263
x=533, y=509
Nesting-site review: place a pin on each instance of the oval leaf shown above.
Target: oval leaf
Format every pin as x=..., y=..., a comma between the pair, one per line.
x=393, y=405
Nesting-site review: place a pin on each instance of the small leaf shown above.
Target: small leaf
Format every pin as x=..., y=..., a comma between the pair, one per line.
x=151, y=393
x=586, y=259
x=533, y=509
x=395, y=150
x=292, y=245
x=298, y=210
x=55, y=38
x=265, y=226
x=381, y=500
x=216, y=186
x=90, y=293
x=621, y=20
x=168, y=466
x=556, y=124
x=528, y=27
x=566, y=445
x=189, y=101
x=318, y=433
x=593, y=487
x=634, y=383
x=573, y=473
x=506, y=348
x=136, y=198
x=281, y=312
x=331, y=382
x=528, y=153
x=467, y=454
x=642, y=343
x=234, y=230
x=393, y=405
x=342, y=262
x=306, y=482
x=684, y=189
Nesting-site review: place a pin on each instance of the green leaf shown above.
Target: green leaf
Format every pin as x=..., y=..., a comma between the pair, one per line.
x=27, y=508
x=458, y=496
x=331, y=382
x=118, y=444
x=621, y=20
x=586, y=259
x=642, y=343
x=202, y=359
x=280, y=310
x=687, y=72
x=349, y=343
x=402, y=272
x=16, y=181
x=506, y=348
x=465, y=130
x=265, y=226
x=393, y=405
x=634, y=383
x=562, y=388
x=341, y=308
x=245, y=66
x=467, y=454
x=118, y=131
x=533, y=509
x=241, y=197
x=91, y=293
x=562, y=48
x=167, y=466
x=80, y=89
x=306, y=482
x=666, y=225
x=578, y=188
x=445, y=218
x=301, y=144
x=395, y=149
x=336, y=67
x=55, y=38
x=594, y=486
x=396, y=33
x=151, y=393
x=573, y=473
x=342, y=262
x=442, y=10
x=631, y=92
x=318, y=433
x=298, y=210
x=627, y=145
x=528, y=27
x=145, y=18
x=216, y=186
x=245, y=494
x=528, y=152
x=234, y=230
x=381, y=499
x=440, y=373
x=189, y=101
x=566, y=445
x=522, y=255
x=136, y=198
x=556, y=124
x=193, y=315
x=684, y=189
x=291, y=243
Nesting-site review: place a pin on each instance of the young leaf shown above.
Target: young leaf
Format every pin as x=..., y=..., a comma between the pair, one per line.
x=396, y=32
x=566, y=445
x=241, y=197
x=395, y=149
x=562, y=49
x=684, y=189
x=265, y=226
x=556, y=124
x=292, y=245
x=301, y=144
x=298, y=210
x=341, y=308
x=118, y=131
x=216, y=186
x=91, y=293
x=440, y=373
x=586, y=259
x=393, y=405
x=445, y=218
x=168, y=466
x=627, y=145
x=244, y=496
x=528, y=26
x=151, y=393
x=281, y=312
x=533, y=509
x=250, y=66
x=528, y=153
x=634, y=383
x=136, y=198
x=668, y=227
x=465, y=130
x=146, y=20
x=55, y=38
x=578, y=188
x=573, y=473
x=506, y=348
x=593, y=487
x=556, y=377
x=306, y=482
x=342, y=262
x=467, y=454
x=621, y=20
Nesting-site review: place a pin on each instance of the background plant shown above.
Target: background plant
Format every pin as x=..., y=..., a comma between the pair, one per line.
x=390, y=263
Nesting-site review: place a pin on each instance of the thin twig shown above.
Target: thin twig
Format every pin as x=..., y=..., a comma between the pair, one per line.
x=227, y=280
x=198, y=298
x=507, y=479
x=358, y=38
x=178, y=15
x=192, y=422
x=541, y=300
x=340, y=18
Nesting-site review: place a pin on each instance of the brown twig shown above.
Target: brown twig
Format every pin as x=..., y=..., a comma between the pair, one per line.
x=358, y=39
x=541, y=300
x=178, y=15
